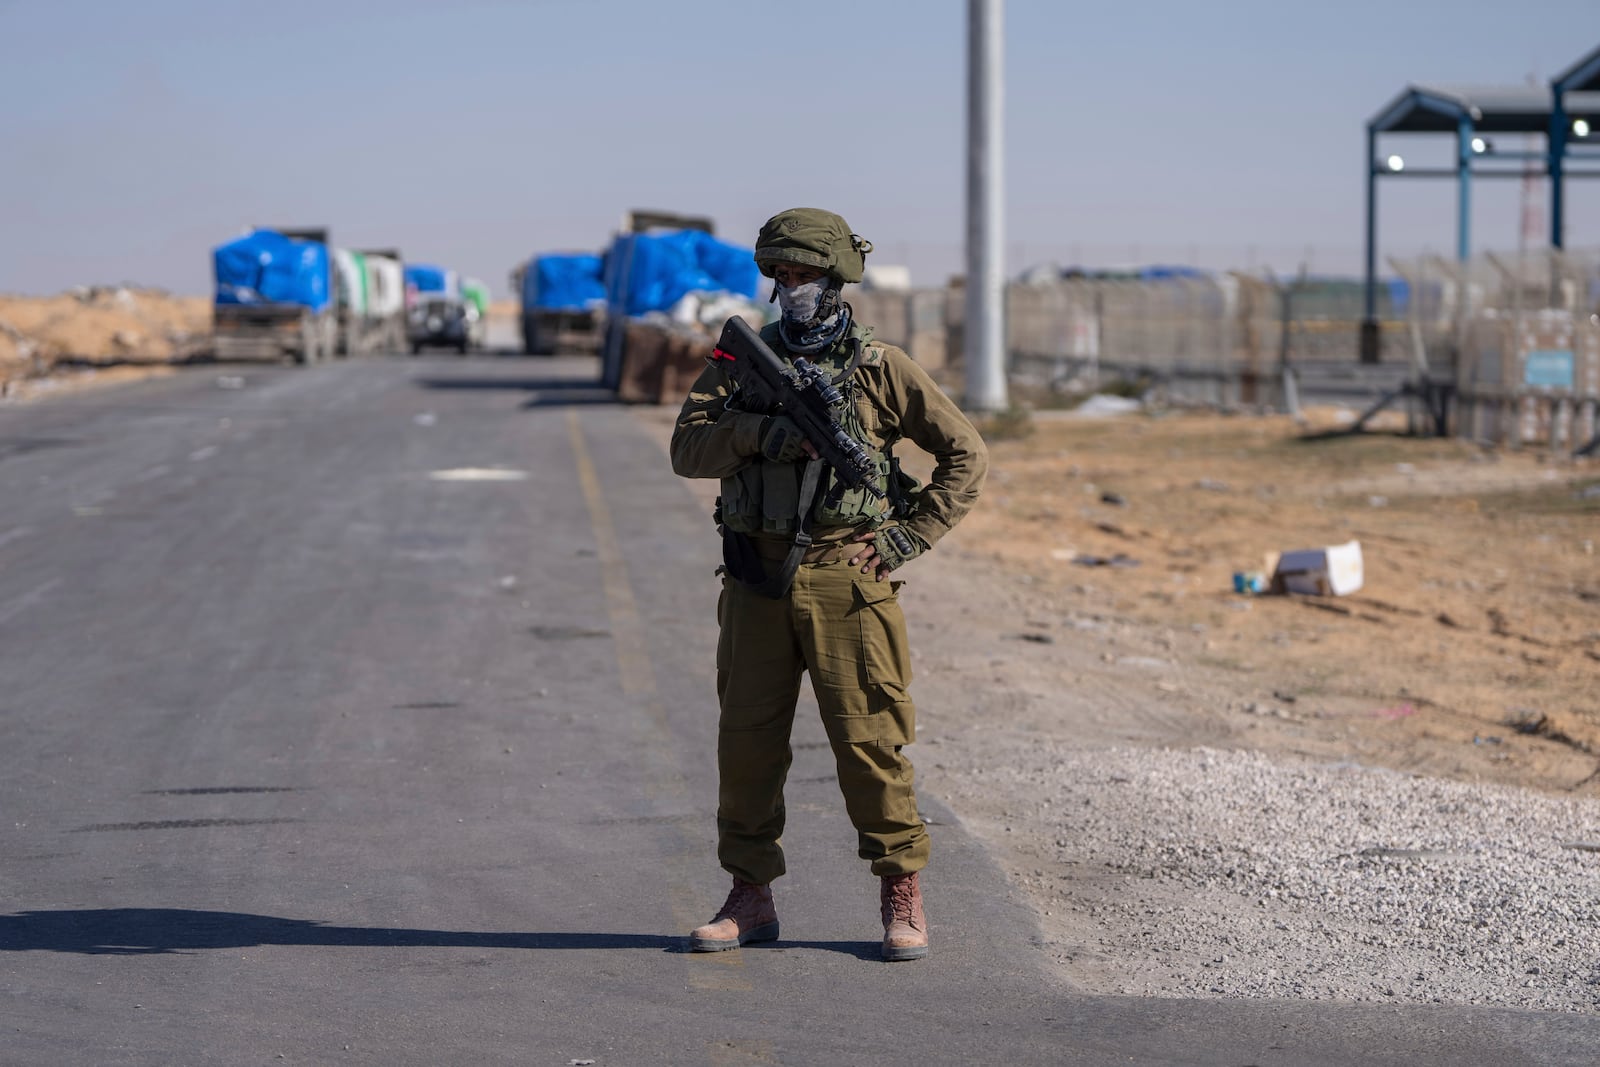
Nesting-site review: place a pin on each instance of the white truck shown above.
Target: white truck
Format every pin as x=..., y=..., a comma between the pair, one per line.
x=370, y=294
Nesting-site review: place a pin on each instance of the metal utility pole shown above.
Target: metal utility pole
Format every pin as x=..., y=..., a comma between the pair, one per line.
x=985, y=337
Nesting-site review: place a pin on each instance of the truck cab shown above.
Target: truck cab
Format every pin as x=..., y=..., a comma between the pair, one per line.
x=436, y=312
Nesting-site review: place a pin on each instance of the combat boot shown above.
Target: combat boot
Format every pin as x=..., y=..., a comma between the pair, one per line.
x=905, y=928
x=747, y=915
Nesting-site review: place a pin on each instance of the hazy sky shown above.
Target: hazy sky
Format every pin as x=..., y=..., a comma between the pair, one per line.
x=134, y=137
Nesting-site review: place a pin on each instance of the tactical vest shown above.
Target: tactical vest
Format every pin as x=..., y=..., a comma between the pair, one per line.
x=764, y=497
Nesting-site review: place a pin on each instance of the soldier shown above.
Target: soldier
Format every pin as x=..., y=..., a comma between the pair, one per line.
x=832, y=609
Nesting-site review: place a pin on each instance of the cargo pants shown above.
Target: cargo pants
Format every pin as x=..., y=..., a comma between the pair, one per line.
x=847, y=631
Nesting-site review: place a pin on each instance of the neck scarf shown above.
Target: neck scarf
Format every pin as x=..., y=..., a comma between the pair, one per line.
x=808, y=339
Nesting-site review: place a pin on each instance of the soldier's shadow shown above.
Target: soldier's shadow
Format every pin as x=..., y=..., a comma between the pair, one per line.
x=154, y=931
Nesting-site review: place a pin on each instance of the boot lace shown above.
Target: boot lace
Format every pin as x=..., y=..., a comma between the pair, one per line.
x=742, y=896
x=899, y=900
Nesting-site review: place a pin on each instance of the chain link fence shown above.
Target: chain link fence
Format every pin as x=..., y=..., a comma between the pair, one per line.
x=1504, y=348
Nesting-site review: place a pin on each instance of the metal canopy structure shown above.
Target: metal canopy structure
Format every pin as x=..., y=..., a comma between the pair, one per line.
x=1566, y=113
x=1489, y=108
x=1580, y=79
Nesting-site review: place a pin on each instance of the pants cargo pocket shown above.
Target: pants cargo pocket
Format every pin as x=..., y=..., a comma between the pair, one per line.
x=885, y=649
x=877, y=706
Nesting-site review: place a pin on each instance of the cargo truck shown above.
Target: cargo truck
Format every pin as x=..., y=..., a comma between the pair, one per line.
x=386, y=299
x=369, y=291
x=350, y=300
x=275, y=297
x=658, y=259
x=563, y=302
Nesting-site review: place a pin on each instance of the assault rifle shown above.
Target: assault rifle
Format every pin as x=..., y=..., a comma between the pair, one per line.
x=802, y=392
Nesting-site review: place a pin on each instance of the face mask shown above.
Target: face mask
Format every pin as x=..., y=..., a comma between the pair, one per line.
x=800, y=302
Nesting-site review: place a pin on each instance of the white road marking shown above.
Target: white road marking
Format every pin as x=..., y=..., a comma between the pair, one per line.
x=89, y=503
x=478, y=474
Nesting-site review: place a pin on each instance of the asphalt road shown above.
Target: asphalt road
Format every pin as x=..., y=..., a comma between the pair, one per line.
x=363, y=714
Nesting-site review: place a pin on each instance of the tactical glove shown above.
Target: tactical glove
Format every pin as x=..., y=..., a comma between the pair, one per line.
x=897, y=546
x=780, y=439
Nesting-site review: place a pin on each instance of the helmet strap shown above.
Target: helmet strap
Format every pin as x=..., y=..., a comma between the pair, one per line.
x=830, y=298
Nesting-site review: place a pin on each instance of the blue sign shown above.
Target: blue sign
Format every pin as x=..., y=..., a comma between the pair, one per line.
x=1549, y=368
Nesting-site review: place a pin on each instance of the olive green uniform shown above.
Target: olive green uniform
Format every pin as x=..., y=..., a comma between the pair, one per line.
x=843, y=627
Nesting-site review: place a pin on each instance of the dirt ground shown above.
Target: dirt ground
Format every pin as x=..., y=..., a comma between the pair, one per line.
x=95, y=334
x=1471, y=652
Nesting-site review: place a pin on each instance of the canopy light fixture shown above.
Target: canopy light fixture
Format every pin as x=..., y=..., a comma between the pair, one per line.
x=1481, y=146
x=1395, y=164
x=1580, y=127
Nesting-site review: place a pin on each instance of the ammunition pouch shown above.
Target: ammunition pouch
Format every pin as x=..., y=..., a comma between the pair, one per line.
x=742, y=562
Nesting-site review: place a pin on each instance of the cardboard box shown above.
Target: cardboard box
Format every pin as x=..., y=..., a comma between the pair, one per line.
x=1331, y=571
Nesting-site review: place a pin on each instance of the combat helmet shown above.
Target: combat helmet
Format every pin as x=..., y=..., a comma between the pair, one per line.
x=812, y=237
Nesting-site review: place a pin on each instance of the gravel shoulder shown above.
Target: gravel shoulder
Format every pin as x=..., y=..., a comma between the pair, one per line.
x=1174, y=850
x=1208, y=795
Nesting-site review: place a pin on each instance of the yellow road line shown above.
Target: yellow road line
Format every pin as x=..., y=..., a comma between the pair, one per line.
x=712, y=971
x=638, y=678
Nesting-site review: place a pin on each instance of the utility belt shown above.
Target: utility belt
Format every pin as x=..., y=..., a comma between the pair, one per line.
x=828, y=553
x=745, y=559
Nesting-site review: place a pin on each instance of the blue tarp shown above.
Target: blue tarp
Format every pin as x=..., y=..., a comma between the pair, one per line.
x=265, y=267
x=1399, y=293
x=563, y=282
x=1154, y=273
x=658, y=269
x=1161, y=272
x=429, y=279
